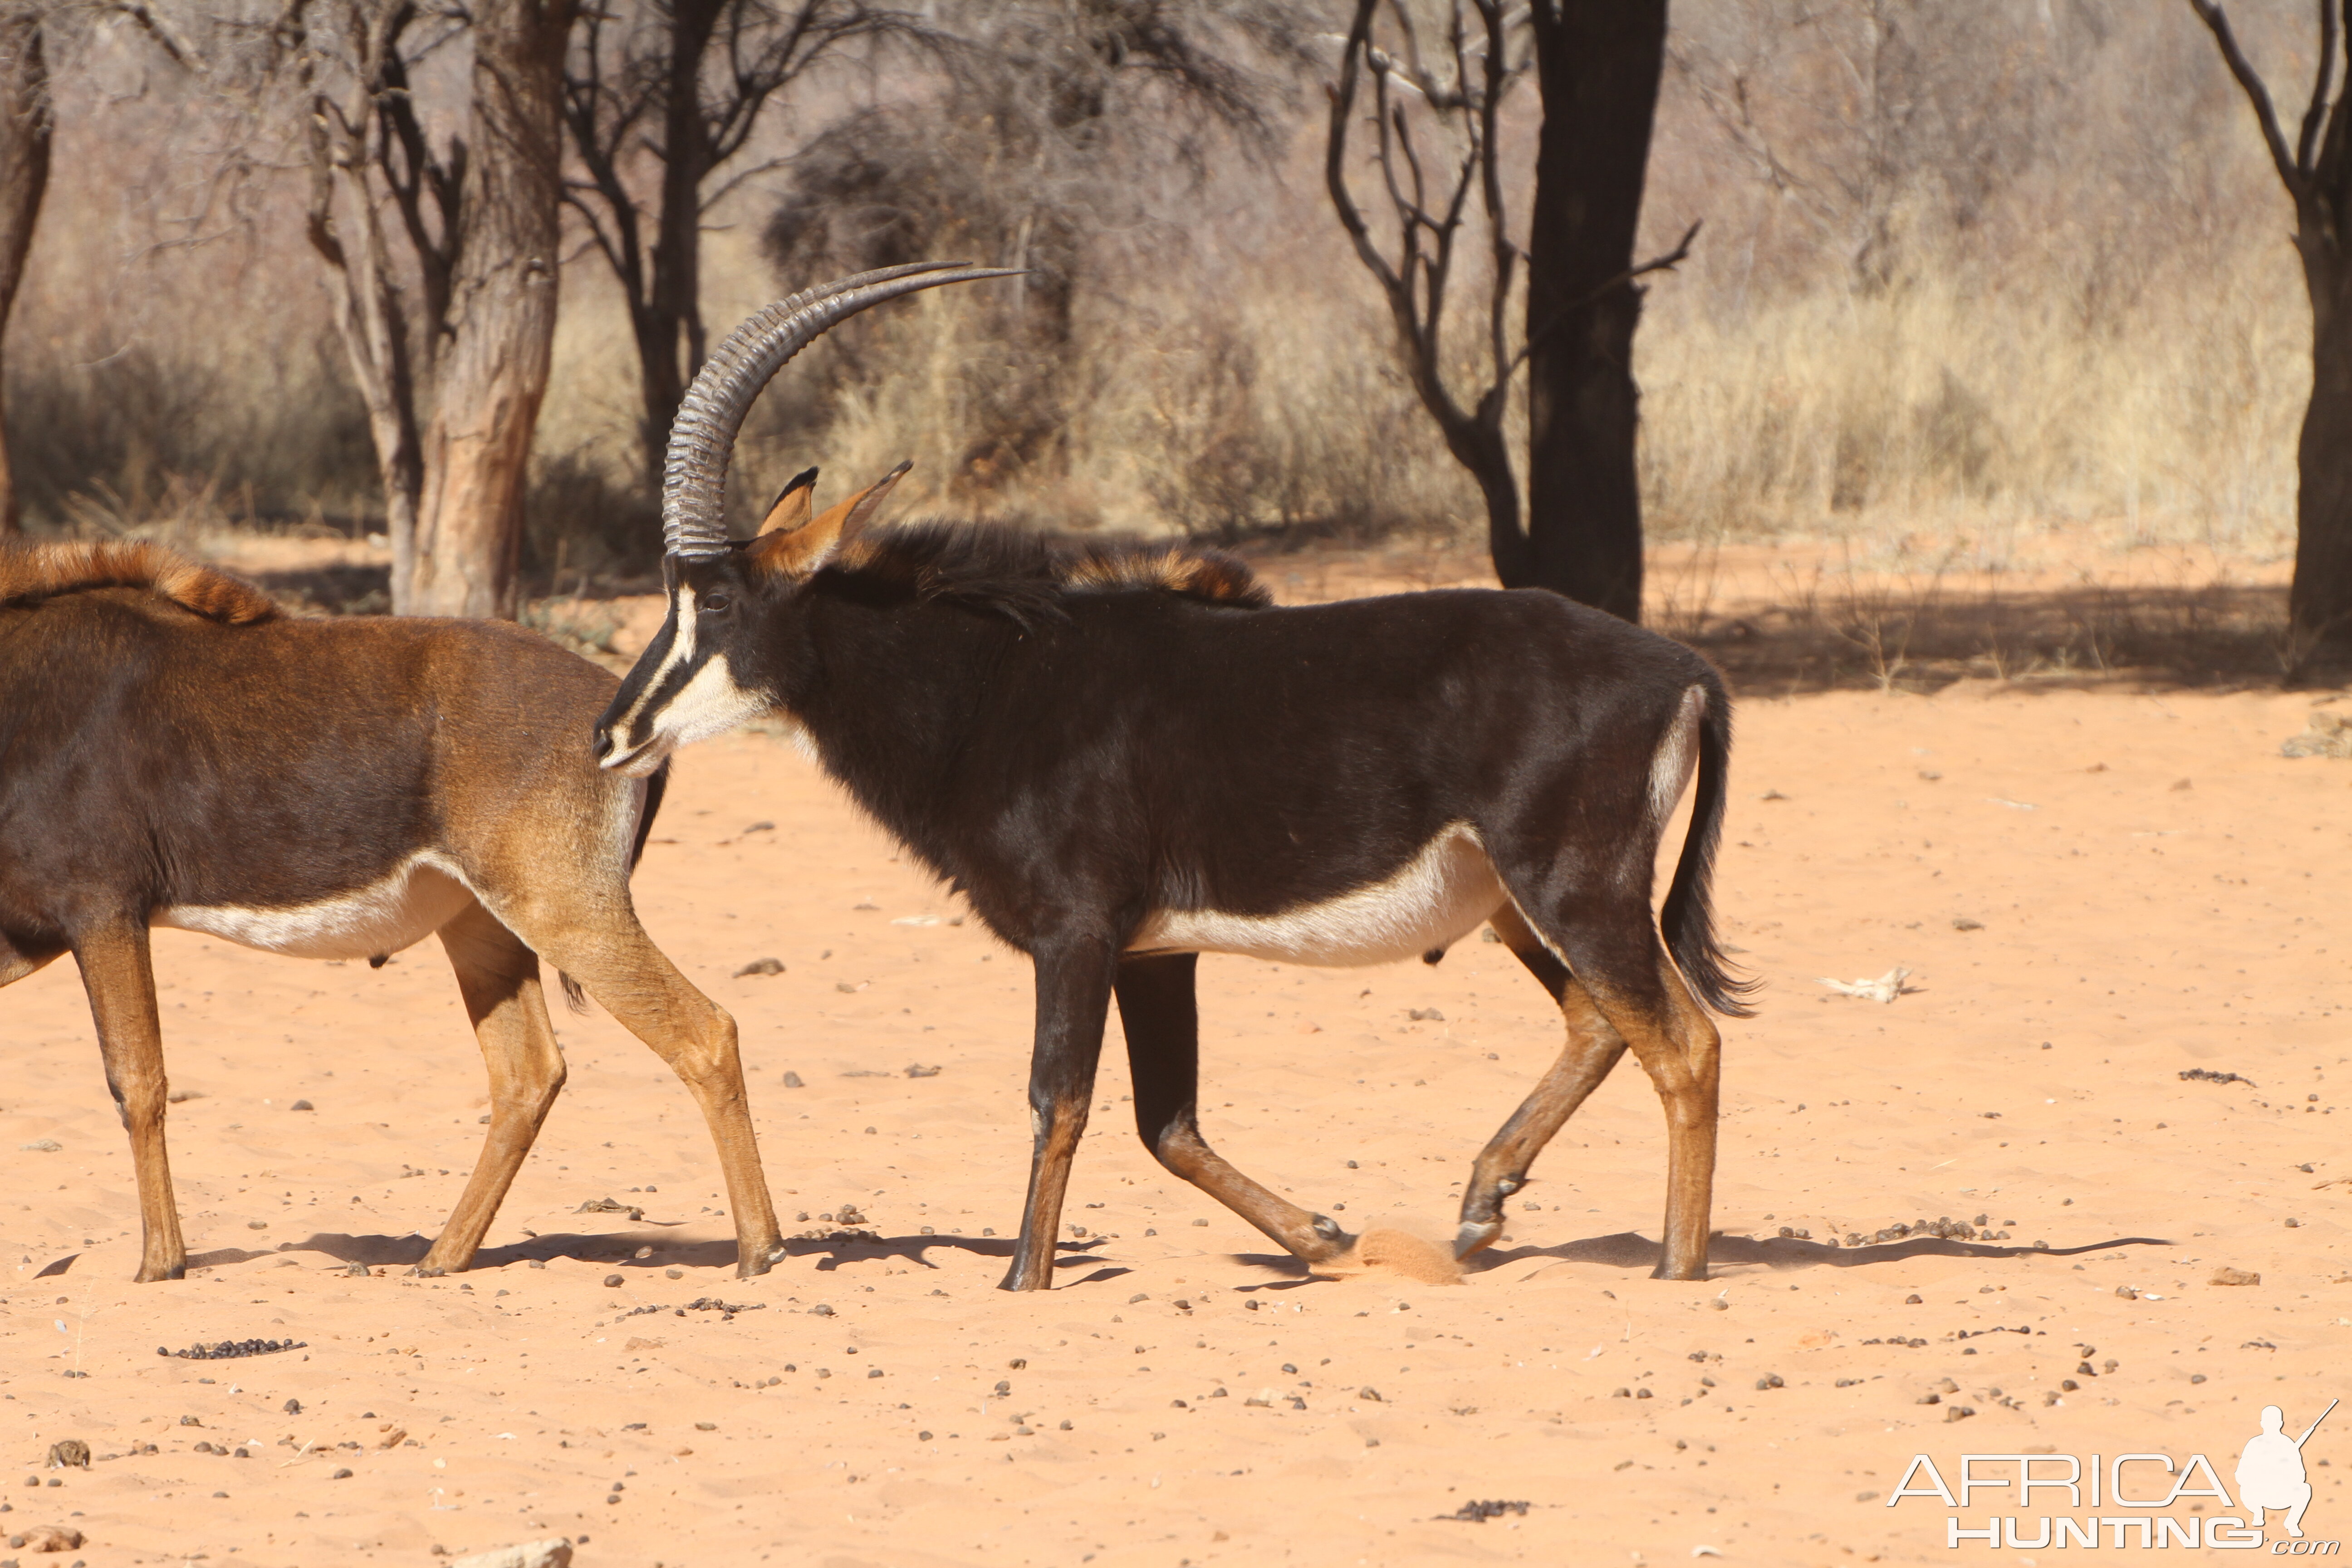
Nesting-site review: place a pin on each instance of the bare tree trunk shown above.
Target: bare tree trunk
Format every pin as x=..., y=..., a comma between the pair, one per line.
x=24, y=175
x=1598, y=62
x=2317, y=169
x=2319, y=605
x=500, y=324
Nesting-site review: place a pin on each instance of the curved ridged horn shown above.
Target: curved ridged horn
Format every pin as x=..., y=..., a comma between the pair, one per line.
x=694, y=473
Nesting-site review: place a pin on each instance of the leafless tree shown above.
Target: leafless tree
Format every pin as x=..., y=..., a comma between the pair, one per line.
x=1024, y=153
x=2317, y=169
x=1435, y=121
x=677, y=88
x=24, y=126
x=449, y=319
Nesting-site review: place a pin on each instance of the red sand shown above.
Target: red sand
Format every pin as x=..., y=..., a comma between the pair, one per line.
x=2157, y=890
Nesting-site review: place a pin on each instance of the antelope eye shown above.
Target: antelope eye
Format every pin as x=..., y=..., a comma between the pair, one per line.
x=716, y=602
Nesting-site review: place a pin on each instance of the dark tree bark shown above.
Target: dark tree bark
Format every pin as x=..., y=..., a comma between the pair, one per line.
x=2317, y=172
x=24, y=175
x=451, y=350
x=1598, y=63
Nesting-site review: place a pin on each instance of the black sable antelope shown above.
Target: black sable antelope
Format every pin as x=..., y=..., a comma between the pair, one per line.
x=174, y=752
x=1125, y=757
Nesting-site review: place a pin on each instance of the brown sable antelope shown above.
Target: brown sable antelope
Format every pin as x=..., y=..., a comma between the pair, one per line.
x=1125, y=756
x=174, y=752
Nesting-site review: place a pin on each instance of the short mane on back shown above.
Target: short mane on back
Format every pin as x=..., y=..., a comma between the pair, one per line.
x=29, y=571
x=1024, y=575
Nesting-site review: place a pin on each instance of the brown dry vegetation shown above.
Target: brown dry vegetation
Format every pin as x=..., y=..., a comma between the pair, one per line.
x=1968, y=286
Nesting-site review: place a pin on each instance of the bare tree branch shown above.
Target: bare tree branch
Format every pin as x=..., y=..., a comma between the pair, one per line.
x=2290, y=169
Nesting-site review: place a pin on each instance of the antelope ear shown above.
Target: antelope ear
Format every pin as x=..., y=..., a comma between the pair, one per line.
x=850, y=518
x=793, y=504
x=801, y=552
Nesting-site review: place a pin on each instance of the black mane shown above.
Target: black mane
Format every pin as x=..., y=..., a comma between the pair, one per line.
x=1025, y=575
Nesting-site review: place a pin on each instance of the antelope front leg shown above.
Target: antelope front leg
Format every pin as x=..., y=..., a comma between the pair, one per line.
x=1073, y=997
x=120, y=982
x=1158, y=1010
x=499, y=977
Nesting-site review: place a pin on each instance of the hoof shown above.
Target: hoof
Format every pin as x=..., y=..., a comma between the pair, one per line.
x=1013, y=1280
x=753, y=1263
x=159, y=1272
x=1475, y=1236
x=1697, y=1271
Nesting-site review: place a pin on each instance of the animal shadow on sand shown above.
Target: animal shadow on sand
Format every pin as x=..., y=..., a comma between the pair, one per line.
x=620, y=1250
x=1779, y=1254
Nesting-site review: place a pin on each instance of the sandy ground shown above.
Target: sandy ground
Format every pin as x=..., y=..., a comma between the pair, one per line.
x=2151, y=889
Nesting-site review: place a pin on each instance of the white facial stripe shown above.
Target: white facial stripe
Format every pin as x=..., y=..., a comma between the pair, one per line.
x=1433, y=901
x=683, y=620
x=423, y=894
x=710, y=704
x=1677, y=756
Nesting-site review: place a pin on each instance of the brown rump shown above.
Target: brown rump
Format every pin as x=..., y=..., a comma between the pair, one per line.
x=31, y=572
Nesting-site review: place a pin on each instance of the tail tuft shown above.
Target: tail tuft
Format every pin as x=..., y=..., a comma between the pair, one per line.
x=574, y=997
x=1687, y=920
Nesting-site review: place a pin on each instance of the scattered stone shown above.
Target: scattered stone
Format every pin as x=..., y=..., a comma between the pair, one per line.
x=293, y=1407
x=41, y=1146
x=1964, y=923
x=302, y=1105
x=69, y=1453
x=341, y=1476
x=1959, y=1412
x=2199, y=1075
x=793, y=1080
x=358, y=1269
x=760, y=828
x=393, y=1437
x=607, y=1205
x=1369, y=1392
x=2324, y=734
x=1771, y=1380
x=554, y=1553
x=761, y=966
x=1424, y=1015
x=916, y=1071
x=713, y=1304
x=612, y=1281
x=227, y=1350
x=2235, y=1277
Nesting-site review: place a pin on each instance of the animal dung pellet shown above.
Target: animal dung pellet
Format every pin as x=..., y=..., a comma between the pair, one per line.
x=227, y=1350
x=761, y=966
x=2226, y=1276
x=2203, y=1075
x=49, y=1538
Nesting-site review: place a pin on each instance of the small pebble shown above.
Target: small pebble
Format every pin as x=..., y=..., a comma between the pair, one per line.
x=793, y=1080
x=612, y=1282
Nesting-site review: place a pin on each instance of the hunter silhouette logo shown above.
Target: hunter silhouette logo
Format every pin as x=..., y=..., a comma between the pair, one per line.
x=2123, y=1500
x=2270, y=1471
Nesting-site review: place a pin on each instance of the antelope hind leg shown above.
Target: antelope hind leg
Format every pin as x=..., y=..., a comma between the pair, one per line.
x=119, y=979
x=1593, y=1048
x=499, y=977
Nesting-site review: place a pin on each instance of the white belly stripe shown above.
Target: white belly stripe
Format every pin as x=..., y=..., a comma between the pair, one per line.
x=1433, y=901
x=418, y=899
